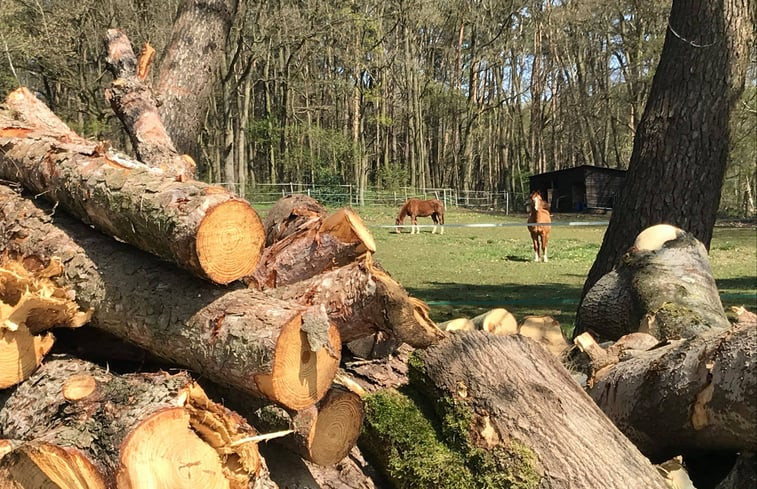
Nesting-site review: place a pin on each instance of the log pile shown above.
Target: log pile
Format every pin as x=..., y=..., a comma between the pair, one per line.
x=286, y=329
x=168, y=289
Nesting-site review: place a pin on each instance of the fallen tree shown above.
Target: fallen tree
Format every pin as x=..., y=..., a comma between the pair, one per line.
x=509, y=416
x=362, y=300
x=663, y=285
x=699, y=392
x=200, y=227
x=82, y=426
x=267, y=347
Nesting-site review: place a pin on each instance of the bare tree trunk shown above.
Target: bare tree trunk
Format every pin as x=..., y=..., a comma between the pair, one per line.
x=681, y=146
x=189, y=68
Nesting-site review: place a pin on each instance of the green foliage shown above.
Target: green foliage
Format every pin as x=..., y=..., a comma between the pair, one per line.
x=392, y=176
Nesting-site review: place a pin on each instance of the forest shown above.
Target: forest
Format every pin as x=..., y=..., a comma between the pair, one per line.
x=471, y=95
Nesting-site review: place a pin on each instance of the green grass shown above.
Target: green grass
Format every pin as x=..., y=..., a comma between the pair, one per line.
x=468, y=271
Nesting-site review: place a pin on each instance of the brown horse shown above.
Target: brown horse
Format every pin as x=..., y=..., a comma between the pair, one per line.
x=539, y=234
x=416, y=208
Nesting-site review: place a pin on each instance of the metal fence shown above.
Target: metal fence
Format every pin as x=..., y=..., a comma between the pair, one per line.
x=343, y=195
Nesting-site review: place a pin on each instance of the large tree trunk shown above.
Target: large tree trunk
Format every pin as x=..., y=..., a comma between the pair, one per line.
x=681, y=145
x=663, y=285
x=695, y=394
x=189, y=68
x=202, y=228
x=128, y=431
x=511, y=414
x=270, y=348
x=361, y=300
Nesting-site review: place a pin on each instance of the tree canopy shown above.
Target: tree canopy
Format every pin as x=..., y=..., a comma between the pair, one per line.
x=468, y=94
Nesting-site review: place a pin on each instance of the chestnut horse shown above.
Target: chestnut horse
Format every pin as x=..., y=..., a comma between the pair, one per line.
x=415, y=208
x=539, y=234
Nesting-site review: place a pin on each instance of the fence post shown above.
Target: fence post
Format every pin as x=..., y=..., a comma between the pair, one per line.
x=350, y=185
x=507, y=203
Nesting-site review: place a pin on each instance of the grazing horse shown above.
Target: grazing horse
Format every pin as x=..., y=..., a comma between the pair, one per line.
x=539, y=234
x=415, y=208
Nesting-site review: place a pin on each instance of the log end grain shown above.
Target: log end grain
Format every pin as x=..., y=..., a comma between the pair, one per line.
x=335, y=432
x=653, y=237
x=21, y=353
x=302, y=372
x=165, y=452
x=36, y=465
x=347, y=227
x=79, y=387
x=229, y=241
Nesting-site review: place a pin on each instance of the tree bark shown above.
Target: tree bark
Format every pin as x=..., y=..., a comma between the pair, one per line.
x=132, y=100
x=270, y=348
x=361, y=300
x=531, y=412
x=743, y=475
x=291, y=214
x=681, y=145
x=698, y=392
x=189, y=68
x=663, y=285
x=130, y=430
x=319, y=246
x=202, y=228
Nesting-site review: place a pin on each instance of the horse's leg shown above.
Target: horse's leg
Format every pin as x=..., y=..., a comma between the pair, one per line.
x=434, y=218
x=414, y=227
x=544, y=240
x=535, y=239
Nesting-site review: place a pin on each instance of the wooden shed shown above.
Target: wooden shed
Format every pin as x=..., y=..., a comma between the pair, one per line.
x=581, y=188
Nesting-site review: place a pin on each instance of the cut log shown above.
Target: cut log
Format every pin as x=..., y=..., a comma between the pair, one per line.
x=202, y=228
x=290, y=215
x=133, y=102
x=457, y=324
x=497, y=321
x=30, y=304
x=663, y=285
x=267, y=347
x=545, y=330
x=322, y=434
x=512, y=414
x=362, y=300
x=337, y=241
x=699, y=392
x=129, y=431
x=367, y=376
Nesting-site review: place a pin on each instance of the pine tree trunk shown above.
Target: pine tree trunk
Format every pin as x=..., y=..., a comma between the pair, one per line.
x=270, y=348
x=202, y=228
x=124, y=431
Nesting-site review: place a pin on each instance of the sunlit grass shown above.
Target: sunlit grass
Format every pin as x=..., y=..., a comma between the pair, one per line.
x=468, y=271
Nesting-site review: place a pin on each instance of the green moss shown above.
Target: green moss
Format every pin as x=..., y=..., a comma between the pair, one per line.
x=412, y=455
x=673, y=320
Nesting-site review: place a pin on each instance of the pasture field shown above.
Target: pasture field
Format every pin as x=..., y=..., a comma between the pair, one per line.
x=468, y=271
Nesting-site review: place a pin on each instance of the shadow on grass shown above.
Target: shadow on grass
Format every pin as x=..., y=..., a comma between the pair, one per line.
x=745, y=285
x=449, y=300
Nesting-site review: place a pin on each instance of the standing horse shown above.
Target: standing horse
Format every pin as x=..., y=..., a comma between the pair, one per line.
x=415, y=208
x=539, y=234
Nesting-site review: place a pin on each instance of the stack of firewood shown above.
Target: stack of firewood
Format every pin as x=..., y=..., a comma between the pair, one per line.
x=165, y=269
